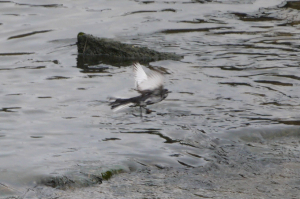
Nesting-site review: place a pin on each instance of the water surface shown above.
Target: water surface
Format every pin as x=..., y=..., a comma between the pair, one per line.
x=240, y=71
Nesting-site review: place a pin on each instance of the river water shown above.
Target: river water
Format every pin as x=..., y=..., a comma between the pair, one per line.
x=240, y=73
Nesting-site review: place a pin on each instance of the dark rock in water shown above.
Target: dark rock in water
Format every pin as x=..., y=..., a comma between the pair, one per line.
x=84, y=177
x=89, y=45
x=72, y=180
x=93, y=63
x=291, y=4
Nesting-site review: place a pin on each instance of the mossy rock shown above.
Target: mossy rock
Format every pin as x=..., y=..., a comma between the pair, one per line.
x=90, y=45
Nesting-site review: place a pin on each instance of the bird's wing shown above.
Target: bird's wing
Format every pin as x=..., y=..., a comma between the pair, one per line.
x=147, y=82
x=154, y=81
x=139, y=74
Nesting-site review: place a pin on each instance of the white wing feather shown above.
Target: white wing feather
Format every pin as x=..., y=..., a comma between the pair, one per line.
x=139, y=74
x=147, y=82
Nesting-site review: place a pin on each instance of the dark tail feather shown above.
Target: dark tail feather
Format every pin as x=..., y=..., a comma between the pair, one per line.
x=119, y=103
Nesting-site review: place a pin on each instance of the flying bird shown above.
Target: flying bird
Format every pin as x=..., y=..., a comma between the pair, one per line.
x=148, y=85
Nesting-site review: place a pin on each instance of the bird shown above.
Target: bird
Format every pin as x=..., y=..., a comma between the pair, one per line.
x=148, y=85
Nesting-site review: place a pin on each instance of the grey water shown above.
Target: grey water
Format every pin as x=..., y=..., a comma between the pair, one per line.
x=240, y=71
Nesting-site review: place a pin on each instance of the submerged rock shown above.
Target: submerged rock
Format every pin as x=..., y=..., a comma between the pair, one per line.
x=256, y=164
x=292, y=4
x=72, y=180
x=79, y=178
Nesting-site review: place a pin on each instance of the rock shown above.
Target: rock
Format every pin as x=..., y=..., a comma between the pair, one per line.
x=91, y=49
x=72, y=180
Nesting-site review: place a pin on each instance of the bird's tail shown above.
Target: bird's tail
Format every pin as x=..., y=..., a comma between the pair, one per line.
x=119, y=103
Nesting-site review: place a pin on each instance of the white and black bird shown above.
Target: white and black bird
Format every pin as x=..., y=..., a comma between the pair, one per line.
x=150, y=87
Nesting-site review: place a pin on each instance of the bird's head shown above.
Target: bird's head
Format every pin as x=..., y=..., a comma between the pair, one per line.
x=165, y=93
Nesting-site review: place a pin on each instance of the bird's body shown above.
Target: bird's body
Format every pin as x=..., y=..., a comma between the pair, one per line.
x=150, y=87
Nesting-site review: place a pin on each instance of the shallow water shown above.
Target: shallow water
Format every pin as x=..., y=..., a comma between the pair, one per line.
x=240, y=70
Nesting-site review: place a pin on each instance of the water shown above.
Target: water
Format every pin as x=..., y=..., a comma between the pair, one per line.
x=239, y=71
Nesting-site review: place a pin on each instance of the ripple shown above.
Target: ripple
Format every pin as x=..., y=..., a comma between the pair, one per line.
x=15, y=54
x=111, y=139
x=175, y=31
x=277, y=83
x=57, y=78
x=42, y=5
x=28, y=34
x=246, y=17
x=9, y=109
x=236, y=83
x=153, y=132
